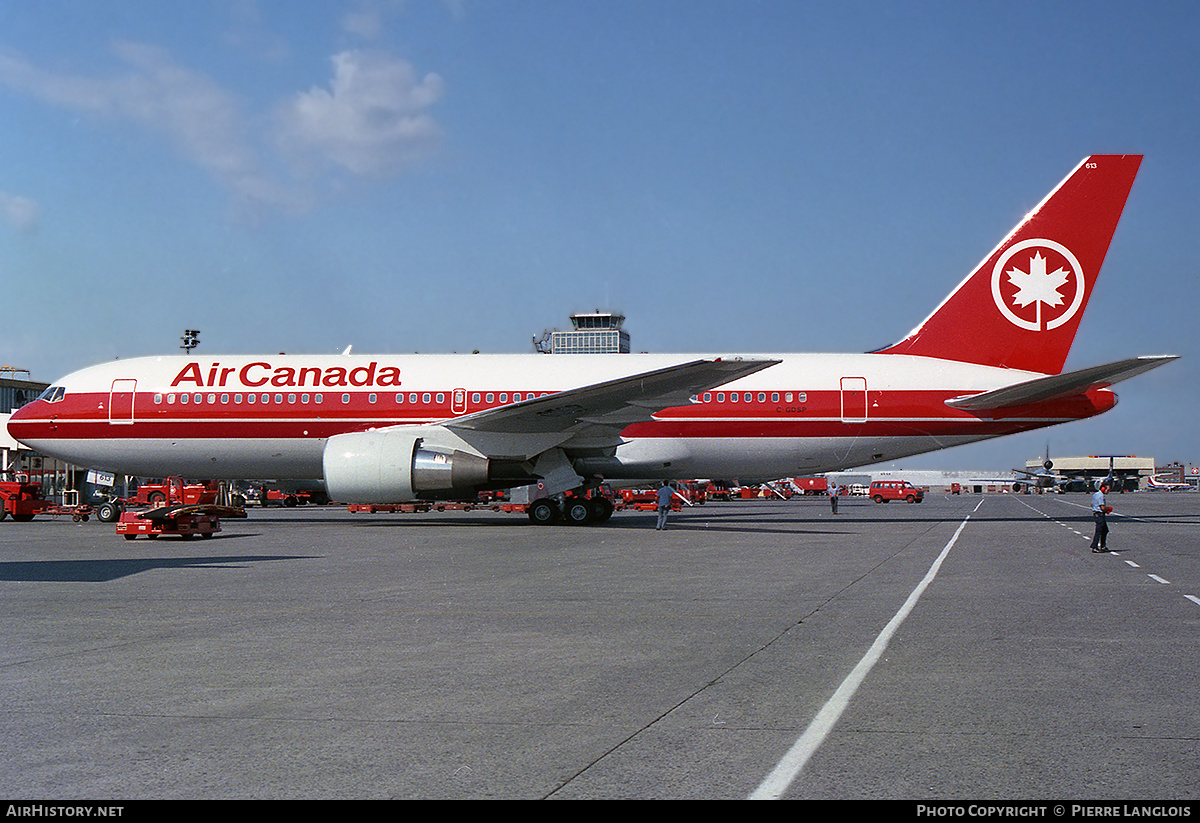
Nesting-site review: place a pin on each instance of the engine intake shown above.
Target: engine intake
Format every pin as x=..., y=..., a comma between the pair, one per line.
x=394, y=466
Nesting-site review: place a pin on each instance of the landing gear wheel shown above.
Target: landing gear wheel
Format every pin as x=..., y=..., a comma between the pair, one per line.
x=543, y=512
x=578, y=511
x=602, y=509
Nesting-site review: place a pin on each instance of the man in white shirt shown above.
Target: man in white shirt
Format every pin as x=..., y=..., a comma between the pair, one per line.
x=1100, y=510
x=663, y=499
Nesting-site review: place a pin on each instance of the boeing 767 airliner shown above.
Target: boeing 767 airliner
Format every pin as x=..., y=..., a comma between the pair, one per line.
x=387, y=429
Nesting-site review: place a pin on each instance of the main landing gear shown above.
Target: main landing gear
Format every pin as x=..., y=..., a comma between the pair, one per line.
x=573, y=509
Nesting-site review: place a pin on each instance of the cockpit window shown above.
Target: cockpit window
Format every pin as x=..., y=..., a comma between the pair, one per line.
x=52, y=394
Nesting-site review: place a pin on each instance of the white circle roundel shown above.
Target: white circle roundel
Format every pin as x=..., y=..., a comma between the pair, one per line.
x=1028, y=284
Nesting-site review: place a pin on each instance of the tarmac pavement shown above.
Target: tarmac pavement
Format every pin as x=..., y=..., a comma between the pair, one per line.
x=314, y=653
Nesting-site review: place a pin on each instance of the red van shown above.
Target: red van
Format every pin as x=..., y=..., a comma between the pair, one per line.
x=884, y=491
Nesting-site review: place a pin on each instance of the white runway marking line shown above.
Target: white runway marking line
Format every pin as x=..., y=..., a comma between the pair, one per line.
x=788, y=769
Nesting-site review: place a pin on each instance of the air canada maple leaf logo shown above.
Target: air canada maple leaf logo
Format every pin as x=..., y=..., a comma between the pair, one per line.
x=1038, y=284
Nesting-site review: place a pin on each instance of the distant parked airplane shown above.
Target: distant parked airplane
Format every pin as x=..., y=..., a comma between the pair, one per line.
x=1047, y=478
x=1153, y=482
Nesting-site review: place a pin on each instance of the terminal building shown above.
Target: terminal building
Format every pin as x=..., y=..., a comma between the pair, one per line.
x=1130, y=472
x=17, y=389
x=1082, y=474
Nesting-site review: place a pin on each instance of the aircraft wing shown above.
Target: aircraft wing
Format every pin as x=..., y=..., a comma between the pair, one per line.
x=611, y=404
x=1058, y=386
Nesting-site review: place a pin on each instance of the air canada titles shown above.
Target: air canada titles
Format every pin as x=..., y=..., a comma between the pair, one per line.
x=261, y=373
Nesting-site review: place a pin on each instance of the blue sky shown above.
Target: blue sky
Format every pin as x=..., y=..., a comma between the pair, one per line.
x=733, y=176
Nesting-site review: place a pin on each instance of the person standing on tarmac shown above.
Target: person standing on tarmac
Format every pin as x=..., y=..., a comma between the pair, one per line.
x=663, y=498
x=833, y=496
x=1100, y=512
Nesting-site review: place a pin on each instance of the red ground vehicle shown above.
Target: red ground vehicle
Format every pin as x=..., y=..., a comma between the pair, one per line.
x=21, y=499
x=693, y=492
x=182, y=524
x=812, y=485
x=646, y=500
x=717, y=491
x=191, y=511
x=277, y=497
x=884, y=491
x=173, y=491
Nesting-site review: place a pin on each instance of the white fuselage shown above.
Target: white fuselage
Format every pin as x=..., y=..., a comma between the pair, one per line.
x=242, y=417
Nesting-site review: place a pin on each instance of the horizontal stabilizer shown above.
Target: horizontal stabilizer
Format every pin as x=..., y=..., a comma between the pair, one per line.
x=1058, y=386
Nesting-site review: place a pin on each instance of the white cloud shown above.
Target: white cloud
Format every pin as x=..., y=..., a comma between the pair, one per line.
x=202, y=120
x=371, y=121
x=19, y=212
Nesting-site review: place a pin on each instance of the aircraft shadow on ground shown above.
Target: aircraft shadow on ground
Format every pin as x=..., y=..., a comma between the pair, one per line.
x=708, y=520
x=101, y=571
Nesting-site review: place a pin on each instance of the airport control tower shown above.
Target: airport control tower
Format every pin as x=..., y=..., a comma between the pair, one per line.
x=595, y=333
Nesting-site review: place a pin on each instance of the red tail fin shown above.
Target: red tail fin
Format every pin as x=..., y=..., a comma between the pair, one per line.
x=1020, y=308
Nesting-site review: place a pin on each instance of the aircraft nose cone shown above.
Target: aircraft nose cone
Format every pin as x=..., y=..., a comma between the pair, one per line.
x=20, y=421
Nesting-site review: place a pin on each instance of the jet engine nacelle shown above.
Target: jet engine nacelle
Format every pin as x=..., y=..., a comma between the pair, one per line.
x=395, y=466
